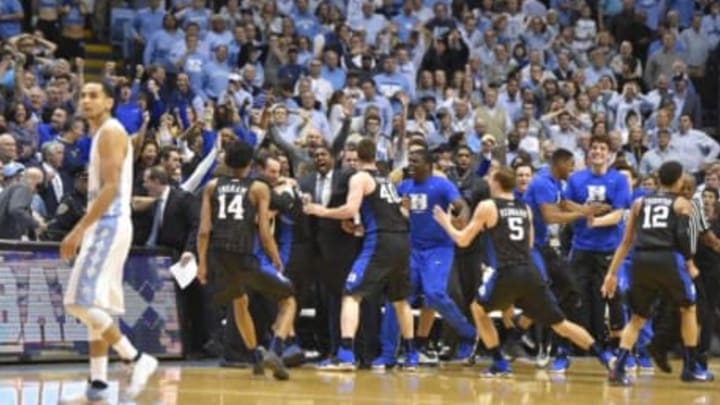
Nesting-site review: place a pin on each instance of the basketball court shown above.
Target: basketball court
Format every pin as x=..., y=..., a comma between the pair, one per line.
x=203, y=383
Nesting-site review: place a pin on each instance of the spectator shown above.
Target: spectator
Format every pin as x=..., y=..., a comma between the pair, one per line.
x=70, y=210
x=655, y=157
x=17, y=218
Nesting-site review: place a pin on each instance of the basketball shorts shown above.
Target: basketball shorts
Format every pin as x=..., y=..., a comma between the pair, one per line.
x=381, y=266
x=659, y=273
x=520, y=285
x=239, y=272
x=96, y=279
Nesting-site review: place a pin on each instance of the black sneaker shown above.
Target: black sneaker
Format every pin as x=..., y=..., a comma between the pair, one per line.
x=660, y=357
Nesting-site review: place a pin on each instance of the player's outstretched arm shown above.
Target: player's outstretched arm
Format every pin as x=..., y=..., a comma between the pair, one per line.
x=359, y=185
x=204, y=229
x=112, y=148
x=610, y=283
x=683, y=209
x=260, y=195
x=482, y=216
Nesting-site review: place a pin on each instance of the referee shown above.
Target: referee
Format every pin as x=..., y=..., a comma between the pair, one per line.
x=666, y=322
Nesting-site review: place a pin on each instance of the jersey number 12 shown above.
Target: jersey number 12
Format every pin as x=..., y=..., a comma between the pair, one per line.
x=655, y=217
x=235, y=208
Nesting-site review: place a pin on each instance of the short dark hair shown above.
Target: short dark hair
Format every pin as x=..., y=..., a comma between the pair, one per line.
x=425, y=155
x=238, y=154
x=159, y=174
x=712, y=190
x=600, y=139
x=505, y=176
x=166, y=150
x=669, y=173
x=366, y=150
x=621, y=165
x=561, y=155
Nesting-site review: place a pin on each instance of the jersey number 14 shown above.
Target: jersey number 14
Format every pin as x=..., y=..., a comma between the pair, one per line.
x=234, y=208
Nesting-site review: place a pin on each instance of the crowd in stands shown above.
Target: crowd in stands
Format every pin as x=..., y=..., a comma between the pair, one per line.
x=480, y=83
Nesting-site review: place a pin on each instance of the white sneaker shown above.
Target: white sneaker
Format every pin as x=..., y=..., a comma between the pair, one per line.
x=142, y=370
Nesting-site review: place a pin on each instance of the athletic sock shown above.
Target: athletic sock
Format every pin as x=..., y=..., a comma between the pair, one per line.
x=290, y=340
x=689, y=357
x=408, y=345
x=126, y=350
x=257, y=355
x=621, y=360
x=421, y=342
x=346, y=343
x=496, y=354
x=276, y=345
x=99, y=368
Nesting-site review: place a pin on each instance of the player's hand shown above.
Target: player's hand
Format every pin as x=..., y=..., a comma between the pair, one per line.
x=590, y=222
x=405, y=202
x=693, y=271
x=70, y=244
x=313, y=209
x=348, y=226
x=609, y=286
x=277, y=263
x=186, y=258
x=202, y=273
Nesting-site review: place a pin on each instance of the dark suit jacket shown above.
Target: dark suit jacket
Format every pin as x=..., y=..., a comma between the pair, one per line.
x=180, y=222
x=336, y=247
x=693, y=108
x=47, y=192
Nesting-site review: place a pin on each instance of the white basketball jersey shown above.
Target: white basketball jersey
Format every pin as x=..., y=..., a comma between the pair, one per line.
x=121, y=202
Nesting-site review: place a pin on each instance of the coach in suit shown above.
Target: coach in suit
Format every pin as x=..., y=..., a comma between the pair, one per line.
x=57, y=182
x=175, y=218
x=336, y=247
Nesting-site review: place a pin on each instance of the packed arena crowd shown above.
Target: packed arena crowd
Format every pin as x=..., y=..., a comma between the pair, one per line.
x=586, y=104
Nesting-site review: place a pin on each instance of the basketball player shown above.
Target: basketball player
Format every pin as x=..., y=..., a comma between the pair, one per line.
x=104, y=234
x=511, y=279
x=431, y=255
x=382, y=264
x=235, y=213
x=658, y=231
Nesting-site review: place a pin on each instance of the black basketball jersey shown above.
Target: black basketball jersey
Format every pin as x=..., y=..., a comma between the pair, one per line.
x=380, y=210
x=233, y=216
x=656, y=223
x=507, y=242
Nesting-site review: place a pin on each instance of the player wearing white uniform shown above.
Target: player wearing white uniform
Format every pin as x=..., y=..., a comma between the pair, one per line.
x=104, y=234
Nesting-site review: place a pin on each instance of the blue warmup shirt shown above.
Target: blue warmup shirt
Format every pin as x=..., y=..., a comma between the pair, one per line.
x=543, y=189
x=611, y=188
x=424, y=231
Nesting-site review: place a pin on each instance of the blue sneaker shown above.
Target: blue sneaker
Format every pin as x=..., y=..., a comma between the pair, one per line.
x=644, y=362
x=498, y=369
x=630, y=364
x=96, y=391
x=412, y=361
x=619, y=379
x=698, y=374
x=560, y=363
x=464, y=352
x=383, y=362
x=344, y=361
x=293, y=355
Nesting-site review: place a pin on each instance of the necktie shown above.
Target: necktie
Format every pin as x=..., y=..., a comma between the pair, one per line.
x=157, y=221
x=320, y=191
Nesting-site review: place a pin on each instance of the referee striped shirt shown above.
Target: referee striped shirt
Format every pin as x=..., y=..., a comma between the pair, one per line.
x=698, y=223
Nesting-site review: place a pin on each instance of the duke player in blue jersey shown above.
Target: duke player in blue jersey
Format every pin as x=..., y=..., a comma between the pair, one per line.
x=595, y=238
x=506, y=224
x=432, y=253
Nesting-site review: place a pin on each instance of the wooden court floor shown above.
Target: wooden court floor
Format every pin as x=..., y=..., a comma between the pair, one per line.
x=206, y=384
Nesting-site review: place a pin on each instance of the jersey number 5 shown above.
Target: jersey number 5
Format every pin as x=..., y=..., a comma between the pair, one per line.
x=655, y=217
x=235, y=208
x=517, y=232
